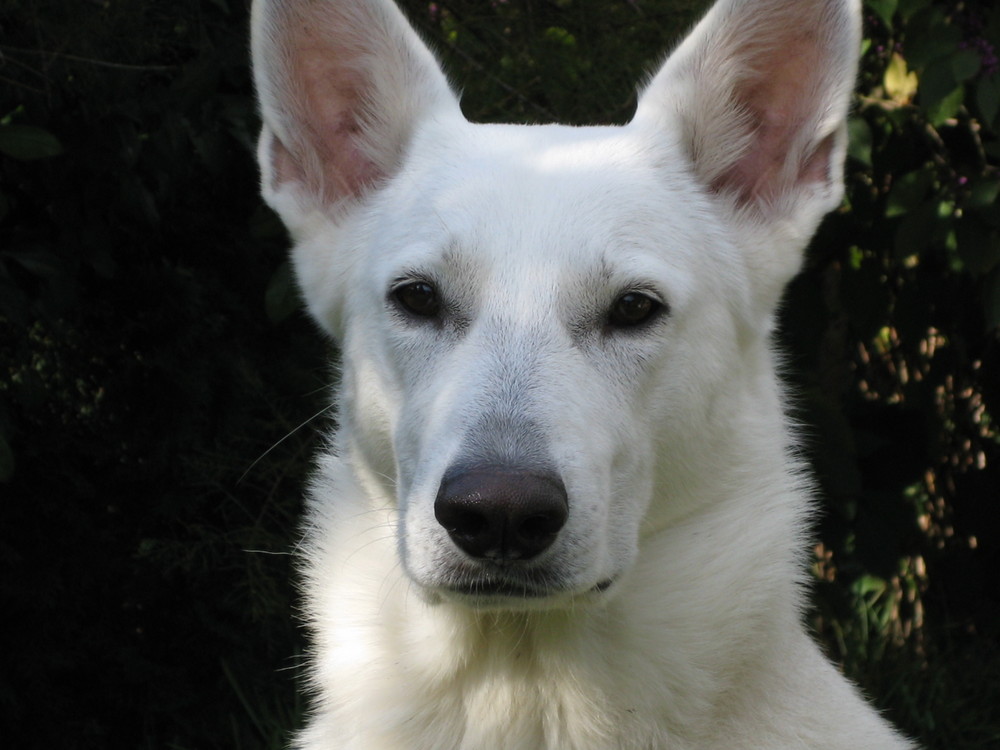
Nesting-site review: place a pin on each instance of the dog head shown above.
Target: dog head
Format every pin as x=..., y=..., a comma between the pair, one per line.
x=548, y=332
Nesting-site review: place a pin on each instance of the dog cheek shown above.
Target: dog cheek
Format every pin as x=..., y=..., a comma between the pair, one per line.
x=370, y=446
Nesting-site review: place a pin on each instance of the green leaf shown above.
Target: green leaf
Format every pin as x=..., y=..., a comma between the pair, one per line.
x=884, y=9
x=978, y=247
x=27, y=142
x=936, y=83
x=988, y=98
x=908, y=7
x=36, y=262
x=916, y=232
x=965, y=64
x=560, y=36
x=869, y=584
x=908, y=192
x=983, y=193
x=930, y=39
x=941, y=93
x=947, y=108
x=859, y=144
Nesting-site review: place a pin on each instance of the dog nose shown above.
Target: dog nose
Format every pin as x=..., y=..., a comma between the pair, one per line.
x=501, y=514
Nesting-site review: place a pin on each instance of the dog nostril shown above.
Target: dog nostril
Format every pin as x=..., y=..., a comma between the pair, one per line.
x=540, y=526
x=461, y=521
x=501, y=514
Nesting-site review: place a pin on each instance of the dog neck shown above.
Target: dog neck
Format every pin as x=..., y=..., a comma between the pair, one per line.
x=449, y=668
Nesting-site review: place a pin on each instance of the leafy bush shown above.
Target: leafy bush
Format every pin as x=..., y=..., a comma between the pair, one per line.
x=156, y=375
x=894, y=327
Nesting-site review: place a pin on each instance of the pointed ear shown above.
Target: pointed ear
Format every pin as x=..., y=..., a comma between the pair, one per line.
x=759, y=92
x=341, y=86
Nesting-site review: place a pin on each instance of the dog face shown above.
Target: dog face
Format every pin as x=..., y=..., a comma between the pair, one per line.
x=527, y=360
x=529, y=315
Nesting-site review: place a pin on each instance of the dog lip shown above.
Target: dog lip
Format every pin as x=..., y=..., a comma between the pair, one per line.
x=500, y=589
x=492, y=590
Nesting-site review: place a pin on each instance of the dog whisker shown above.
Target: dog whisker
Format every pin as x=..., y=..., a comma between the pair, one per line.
x=288, y=435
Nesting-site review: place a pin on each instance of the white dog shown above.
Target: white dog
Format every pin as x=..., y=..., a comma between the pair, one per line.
x=561, y=509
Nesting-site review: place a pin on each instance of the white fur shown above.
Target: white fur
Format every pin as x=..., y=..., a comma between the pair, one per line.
x=672, y=617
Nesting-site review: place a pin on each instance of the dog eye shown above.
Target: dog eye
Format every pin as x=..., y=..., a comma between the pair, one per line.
x=418, y=298
x=632, y=309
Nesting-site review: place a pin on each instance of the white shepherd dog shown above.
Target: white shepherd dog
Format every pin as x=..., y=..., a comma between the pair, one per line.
x=561, y=509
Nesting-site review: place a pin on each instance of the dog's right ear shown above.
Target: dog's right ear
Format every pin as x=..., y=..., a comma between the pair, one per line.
x=758, y=96
x=341, y=86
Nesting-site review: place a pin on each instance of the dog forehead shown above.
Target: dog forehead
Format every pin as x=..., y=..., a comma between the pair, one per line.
x=550, y=192
x=528, y=168
x=540, y=215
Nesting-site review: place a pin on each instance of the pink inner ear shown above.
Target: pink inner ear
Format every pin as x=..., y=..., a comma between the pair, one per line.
x=780, y=100
x=333, y=117
x=327, y=152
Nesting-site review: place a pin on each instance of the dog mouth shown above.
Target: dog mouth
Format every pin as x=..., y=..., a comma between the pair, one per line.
x=498, y=590
x=501, y=589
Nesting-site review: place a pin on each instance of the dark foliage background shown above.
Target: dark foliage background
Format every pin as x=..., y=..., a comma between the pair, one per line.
x=160, y=392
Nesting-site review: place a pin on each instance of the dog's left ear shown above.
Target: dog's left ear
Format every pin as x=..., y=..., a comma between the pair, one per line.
x=759, y=92
x=342, y=85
